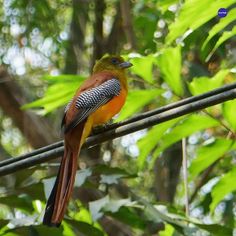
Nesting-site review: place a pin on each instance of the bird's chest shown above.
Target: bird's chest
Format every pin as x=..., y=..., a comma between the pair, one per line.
x=110, y=109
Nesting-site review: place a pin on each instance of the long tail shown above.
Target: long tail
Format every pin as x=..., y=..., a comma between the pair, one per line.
x=62, y=189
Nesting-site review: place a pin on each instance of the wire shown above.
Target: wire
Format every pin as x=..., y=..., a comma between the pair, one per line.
x=142, y=121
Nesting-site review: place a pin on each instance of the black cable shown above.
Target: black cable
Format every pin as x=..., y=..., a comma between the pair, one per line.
x=128, y=121
x=125, y=129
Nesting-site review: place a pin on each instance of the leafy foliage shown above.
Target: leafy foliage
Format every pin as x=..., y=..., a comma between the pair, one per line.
x=174, y=40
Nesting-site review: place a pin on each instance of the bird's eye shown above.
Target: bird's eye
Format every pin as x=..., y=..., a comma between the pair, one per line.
x=114, y=61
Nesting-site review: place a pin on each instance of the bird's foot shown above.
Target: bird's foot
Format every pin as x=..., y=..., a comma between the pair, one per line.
x=101, y=128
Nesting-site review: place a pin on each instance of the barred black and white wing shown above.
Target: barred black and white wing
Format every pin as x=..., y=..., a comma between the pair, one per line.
x=90, y=100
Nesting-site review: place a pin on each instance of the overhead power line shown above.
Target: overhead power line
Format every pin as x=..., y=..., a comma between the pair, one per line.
x=139, y=122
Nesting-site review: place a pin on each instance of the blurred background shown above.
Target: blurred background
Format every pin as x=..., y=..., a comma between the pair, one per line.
x=179, y=49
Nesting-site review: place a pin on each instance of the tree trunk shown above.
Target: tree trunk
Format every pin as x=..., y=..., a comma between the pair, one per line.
x=167, y=170
x=35, y=129
x=74, y=61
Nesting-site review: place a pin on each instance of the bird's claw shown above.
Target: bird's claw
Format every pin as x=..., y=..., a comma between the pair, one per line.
x=101, y=128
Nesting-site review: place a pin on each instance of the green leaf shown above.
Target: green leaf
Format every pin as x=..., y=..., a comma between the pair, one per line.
x=169, y=63
x=36, y=230
x=83, y=214
x=193, y=14
x=34, y=191
x=136, y=100
x=3, y=223
x=108, y=170
x=226, y=35
x=215, y=229
x=129, y=217
x=207, y=155
x=159, y=213
x=203, y=84
x=58, y=94
x=165, y=4
x=231, y=16
x=188, y=126
x=168, y=231
x=179, y=221
x=22, y=202
x=143, y=66
x=224, y=186
x=63, y=78
x=85, y=228
x=229, y=108
x=105, y=204
x=149, y=142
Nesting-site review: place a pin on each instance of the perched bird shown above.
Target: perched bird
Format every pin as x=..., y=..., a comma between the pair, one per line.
x=100, y=97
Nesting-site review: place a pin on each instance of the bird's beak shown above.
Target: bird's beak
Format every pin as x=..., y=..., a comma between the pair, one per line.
x=125, y=64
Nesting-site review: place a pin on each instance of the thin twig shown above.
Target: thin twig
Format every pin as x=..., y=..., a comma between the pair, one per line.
x=185, y=176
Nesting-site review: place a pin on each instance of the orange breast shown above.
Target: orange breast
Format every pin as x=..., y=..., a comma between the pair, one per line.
x=106, y=112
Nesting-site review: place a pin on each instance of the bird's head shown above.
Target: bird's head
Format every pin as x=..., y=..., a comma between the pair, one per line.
x=115, y=63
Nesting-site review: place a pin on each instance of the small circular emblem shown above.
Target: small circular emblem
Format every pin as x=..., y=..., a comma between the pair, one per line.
x=222, y=12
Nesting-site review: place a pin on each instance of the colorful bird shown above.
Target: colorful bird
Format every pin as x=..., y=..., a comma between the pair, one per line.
x=99, y=98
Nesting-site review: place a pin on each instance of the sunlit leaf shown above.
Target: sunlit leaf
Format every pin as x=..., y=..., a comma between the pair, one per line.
x=67, y=229
x=85, y=228
x=193, y=14
x=136, y=100
x=225, y=36
x=143, y=67
x=189, y=125
x=165, y=4
x=207, y=155
x=224, y=186
x=149, y=142
x=231, y=16
x=168, y=231
x=204, y=84
x=57, y=94
x=63, y=78
x=229, y=108
x=169, y=63
x=83, y=214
